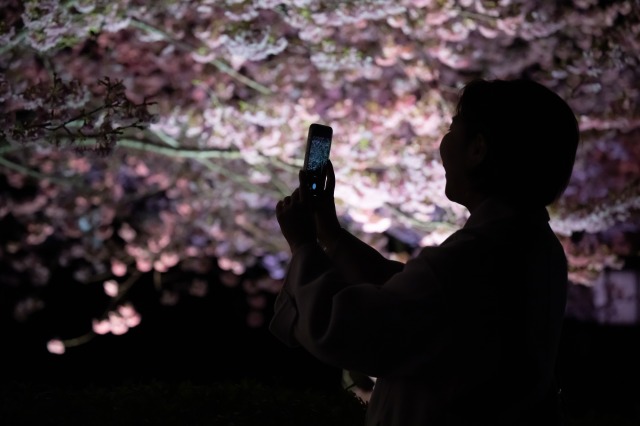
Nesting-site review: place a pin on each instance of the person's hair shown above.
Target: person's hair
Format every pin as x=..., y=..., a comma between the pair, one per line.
x=531, y=135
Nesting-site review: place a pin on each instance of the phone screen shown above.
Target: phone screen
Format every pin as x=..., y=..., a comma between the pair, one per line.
x=317, y=155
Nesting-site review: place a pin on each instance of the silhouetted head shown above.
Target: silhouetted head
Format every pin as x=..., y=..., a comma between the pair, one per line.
x=515, y=139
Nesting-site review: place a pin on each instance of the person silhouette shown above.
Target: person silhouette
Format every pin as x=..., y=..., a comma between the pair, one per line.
x=466, y=332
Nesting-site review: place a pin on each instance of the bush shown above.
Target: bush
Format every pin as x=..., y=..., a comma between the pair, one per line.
x=242, y=403
x=239, y=403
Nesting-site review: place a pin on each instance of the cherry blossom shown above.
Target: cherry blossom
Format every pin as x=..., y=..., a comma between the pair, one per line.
x=156, y=137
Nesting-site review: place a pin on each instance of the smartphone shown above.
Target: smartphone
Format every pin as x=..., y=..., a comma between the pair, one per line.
x=317, y=155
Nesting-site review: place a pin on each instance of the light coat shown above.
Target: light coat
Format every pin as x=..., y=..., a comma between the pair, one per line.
x=465, y=333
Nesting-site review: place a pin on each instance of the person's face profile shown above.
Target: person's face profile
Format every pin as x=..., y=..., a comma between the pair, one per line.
x=451, y=153
x=461, y=154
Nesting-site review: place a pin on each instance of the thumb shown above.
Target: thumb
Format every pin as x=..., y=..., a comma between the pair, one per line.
x=304, y=187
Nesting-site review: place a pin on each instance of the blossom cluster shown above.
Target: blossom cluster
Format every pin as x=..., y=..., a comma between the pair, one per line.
x=57, y=111
x=204, y=106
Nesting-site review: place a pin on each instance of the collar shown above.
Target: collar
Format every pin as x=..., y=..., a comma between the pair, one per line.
x=495, y=209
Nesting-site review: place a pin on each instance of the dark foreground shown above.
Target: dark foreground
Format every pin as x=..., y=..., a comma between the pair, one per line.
x=242, y=403
x=197, y=364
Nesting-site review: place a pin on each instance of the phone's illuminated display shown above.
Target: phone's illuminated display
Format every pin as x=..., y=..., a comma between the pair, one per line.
x=317, y=157
x=318, y=153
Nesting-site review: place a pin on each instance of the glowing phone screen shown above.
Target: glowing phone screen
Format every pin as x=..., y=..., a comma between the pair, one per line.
x=317, y=156
x=318, y=153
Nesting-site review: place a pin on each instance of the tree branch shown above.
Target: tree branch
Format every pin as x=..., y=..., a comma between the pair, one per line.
x=242, y=181
x=189, y=48
x=33, y=173
x=171, y=152
x=124, y=289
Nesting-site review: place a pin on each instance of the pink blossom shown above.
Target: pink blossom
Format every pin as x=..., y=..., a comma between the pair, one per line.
x=111, y=288
x=169, y=259
x=159, y=266
x=184, y=209
x=56, y=346
x=101, y=326
x=126, y=232
x=133, y=321
x=117, y=323
x=119, y=328
x=144, y=265
x=127, y=310
x=118, y=268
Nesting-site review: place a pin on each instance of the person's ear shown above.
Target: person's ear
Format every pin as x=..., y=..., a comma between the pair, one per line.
x=476, y=151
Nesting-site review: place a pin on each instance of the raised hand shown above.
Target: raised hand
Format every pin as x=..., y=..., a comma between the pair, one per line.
x=295, y=220
x=327, y=225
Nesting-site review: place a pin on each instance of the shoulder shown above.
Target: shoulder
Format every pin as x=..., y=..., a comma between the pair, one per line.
x=460, y=241
x=463, y=250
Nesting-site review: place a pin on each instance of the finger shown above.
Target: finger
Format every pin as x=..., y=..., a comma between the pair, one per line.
x=331, y=179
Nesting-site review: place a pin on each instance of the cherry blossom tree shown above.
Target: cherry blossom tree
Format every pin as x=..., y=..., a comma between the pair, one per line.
x=149, y=137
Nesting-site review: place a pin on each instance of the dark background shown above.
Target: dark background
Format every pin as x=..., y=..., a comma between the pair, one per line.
x=200, y=339
x=206, y=339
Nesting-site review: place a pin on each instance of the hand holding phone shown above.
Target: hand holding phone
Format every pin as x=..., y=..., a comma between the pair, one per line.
x=316, y=157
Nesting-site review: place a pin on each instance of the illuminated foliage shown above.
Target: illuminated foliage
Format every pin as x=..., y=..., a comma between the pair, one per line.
x=200, y=110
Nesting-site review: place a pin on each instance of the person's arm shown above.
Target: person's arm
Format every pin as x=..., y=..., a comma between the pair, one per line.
x=361, y=311
x=357, y=262
x=353, y=259
x=307, y=263
x=378, y=330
